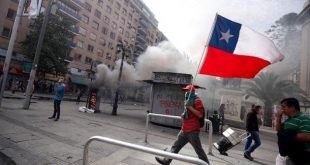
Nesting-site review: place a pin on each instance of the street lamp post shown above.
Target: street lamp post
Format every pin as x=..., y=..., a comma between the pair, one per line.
x=123, y=48
x=29, y=89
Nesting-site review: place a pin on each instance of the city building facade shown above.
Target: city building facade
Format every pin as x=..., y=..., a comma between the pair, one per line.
x=100, y=25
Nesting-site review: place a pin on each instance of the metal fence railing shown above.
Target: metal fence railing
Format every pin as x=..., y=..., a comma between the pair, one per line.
x=140, y=148
x=179, y=117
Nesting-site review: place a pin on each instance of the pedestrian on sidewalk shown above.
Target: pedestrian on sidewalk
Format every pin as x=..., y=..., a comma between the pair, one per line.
x=253, y=132
x=293, y=134
x=59, y=93
x=193, y=112
x=222, y=117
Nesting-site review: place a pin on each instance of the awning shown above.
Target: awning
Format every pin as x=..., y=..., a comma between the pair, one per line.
x=79, y=80
x=13, y=70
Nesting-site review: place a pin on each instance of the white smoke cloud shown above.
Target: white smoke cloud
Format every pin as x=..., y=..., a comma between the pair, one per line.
x=161, y=58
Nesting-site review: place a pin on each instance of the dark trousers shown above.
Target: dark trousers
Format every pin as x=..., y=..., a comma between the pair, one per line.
x=56, y=108
x=288, y=146
x=193, y=139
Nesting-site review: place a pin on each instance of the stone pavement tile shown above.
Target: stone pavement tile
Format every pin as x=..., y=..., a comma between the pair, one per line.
x=21, y=137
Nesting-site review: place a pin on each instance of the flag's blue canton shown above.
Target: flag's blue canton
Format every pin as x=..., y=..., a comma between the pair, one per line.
x=223, y=25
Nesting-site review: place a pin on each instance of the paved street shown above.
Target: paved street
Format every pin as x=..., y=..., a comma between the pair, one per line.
x=29, y=137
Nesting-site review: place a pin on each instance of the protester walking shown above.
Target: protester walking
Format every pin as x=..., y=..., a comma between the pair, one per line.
x=59, y=93
x=193, y=112
x=293, y=134
x=253, y=132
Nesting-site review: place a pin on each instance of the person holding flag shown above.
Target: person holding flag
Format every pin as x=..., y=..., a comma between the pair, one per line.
x=193, y=112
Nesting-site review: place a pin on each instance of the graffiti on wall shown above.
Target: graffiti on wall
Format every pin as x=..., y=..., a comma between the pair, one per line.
x=168, y=101
x=232, y=108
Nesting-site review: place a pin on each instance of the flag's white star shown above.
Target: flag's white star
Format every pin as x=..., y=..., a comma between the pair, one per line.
x=226, y=36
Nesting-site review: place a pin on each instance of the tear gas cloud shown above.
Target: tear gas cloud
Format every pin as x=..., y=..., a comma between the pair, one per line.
x=161, y=58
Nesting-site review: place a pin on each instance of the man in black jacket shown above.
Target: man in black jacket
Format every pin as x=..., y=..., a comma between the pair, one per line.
x=252, y=129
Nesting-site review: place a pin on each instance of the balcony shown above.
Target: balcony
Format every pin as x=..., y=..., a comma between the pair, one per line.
x=143, y=23
x=68, y=12
x=74, y=30
x=68, y=59
x=71, y=44
x=139, y=47
x=75, y=4
x=142, y=31
x=141, y=39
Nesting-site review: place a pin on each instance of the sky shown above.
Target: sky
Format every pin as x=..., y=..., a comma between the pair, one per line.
x=187, y=23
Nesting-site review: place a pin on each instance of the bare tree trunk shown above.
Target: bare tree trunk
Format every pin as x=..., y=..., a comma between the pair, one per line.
x=268, y=114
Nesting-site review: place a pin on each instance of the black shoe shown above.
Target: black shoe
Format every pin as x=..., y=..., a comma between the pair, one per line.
x=224, y=153
x=51, y=117
x=56, y=119
x=248, y=156
x=161, y=161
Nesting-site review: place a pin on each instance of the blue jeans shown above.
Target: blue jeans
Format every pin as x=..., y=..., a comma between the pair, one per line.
x=249, y=147
x=56, y=108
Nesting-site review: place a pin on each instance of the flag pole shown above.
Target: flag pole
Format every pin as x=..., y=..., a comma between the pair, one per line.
x=205, y=50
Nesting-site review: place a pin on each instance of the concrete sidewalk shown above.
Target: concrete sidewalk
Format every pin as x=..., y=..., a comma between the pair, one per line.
x=28, y=137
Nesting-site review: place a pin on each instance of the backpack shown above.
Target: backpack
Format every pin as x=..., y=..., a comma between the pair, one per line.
x=202, y=120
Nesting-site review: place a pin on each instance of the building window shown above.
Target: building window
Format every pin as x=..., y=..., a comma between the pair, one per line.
x=98, y=14
x=85, y=19
x=130, y=16
x=118, y=6
x=121, y=30
x=108, y=56
x=102, y=41
x=5, y=32
x=105, y=30
x=88, y=60
x=77, y=57
x=124, y=11
x=90, y=48
x=99, y=52
x=87, y=6
x=126, y=34
x=126, y=2
x=106, y=20
x=11, y=14
x=93, y=36
x=79, y=44
x=100, y=3
x=116, y=15
x=95, y=25
x=109, y=10
x=114, y=25
x=123, y=21
x=110, y=45
x=82, y=31
x=112, y=35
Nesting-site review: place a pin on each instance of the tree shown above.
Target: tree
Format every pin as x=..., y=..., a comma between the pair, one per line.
x=270, y=89
x=55, y=45
x=287, y=37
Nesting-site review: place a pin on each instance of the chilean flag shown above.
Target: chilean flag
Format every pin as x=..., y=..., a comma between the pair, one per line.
x=236, y=51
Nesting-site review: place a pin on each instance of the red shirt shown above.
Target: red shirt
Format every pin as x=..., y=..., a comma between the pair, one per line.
x=192, y=123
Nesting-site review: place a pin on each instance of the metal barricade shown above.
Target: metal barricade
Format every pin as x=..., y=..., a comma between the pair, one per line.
x=179, y=117
x=140, y=148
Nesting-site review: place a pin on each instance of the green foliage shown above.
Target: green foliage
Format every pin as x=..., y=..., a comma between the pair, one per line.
x=270, y=89
x=55, y=45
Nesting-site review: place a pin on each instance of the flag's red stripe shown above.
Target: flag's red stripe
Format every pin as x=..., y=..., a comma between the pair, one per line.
x=223, y=64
